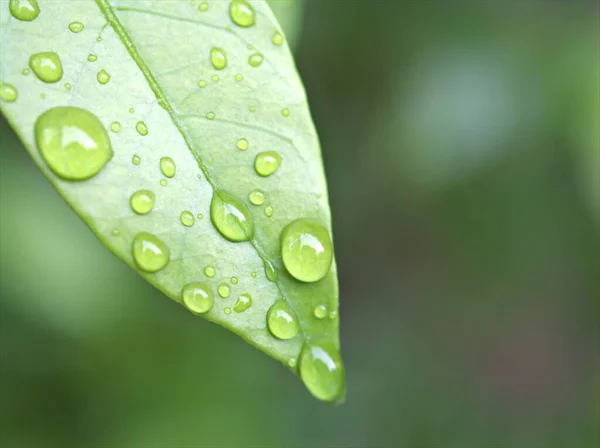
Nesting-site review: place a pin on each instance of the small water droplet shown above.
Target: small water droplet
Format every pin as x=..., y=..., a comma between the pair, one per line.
x=227, y=311
x=46, y=66
x=257, y=197
x=187, y=218
x=277, y=38
x=231, y=217
x=244, y=302
x=99, y=39
x=131, y=110
x=115, y=126
x=203, y=7
x=103, y=77
x=92, y=57
x=234, y=280
x=25, y=10
x=73, y=142
x=141, y=127
x=242, y=13
x=67, y=86
x=266, y=163
x=8, y=92
x=271, y=271
x=210, y=116
x=167, y=166
x=252, y=108
x=163, y=182
x=149, y=252
x=255, y=59
x=281, y=320
x=322, y=372
x=269, y=210
x=197, y=297
x=202, y=83
x=25, y=71
x=292, y=362
x=142, y=201
x=224, y=290
x=253, y=275
x=209, y=271
x=306, y=250
x=242, y=144
x=239, y=77
x=320, y=311
x=218, y=58
x=115, y=232
x=136, y=159
x=76, y=27
x=333, y=314
x=285, y=112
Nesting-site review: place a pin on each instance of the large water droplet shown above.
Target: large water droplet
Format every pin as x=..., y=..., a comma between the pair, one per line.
x=322, y=372
x=76, y=27
x=142, y=201
x=243, y=303
x=231, y=217
x=257, y=197
x=218, y=58
x=167, y=166
x=320, y=311
x=266, y=163
x=187, y=218
x=270, y=271
x=255, y=59
x=149, y=252
x=73, y=142
x=224, y=290
x=25, y=10
x=141, y=127
x=103, y=76
x=8, y=92
x=306, y=250
x=282, y=321
x=46, y=66
x=197, y=297
x=242, y=13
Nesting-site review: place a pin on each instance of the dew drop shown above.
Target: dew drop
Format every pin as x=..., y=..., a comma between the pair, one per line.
x=252, y=108
x=203, y=7
x=142, y=201
x=99, y=39
x=292, y=362
x=277, y=38
x=242, y=13
x=167, y=166
x=209, y=271
x=202, y=83
x=231, y=217
x=141, y=127
x=215, y=78
x=255, y=59
x=242, y=144
x=73, y=142
x=253, y=275
x=25, y=10
x=266, y=163
x=234, y=280
x=8, y=92
x=285, y=112
x=131, y=110
x=197, y=297
x=187, y=218
x=281, y=320
x=239, y=77
x=136, y=160
x=92, y=57
x=306, y=250
x=210, y=116
x=67, y=86
x=257, y=197
x=218, y=58
x=149, y=252
x=322, y=372
x=46, y=66
x=320, y=311
x=103, y=77
x=333, y=314
x=224, y=290
x=243, y=303
x=227, y=311
x=115, y=232
x=163, y=182
x=269, y=210
x=76, y=27
x=115, y=126
x=199, y=216
x=25, y=71
x=270, y=271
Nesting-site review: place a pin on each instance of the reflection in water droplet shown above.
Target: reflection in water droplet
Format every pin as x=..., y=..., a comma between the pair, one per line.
x=271, y=271
x=142, y=201
x=73, y=142
x=234, y=280
x=255, y=59
x=115, y=126
x=277, y=38
x=242, y=13
x=285, y=112
x=210, y=115
x=25, y=10
x=269, y=211
x=46, y=66
x=218, y=58
x=257, y=197
x=149, y=252
x=224, y=290
x=281, y=320
x=167, y=166
x=322, y=372
x=266, y=163
x=76, y=27
x=320, y=311
x=242, y=144
x=92, y=57
x=209, y=271
x=103, y=77
x=141, y=127
x=136, y=159
x=244, y=302
x=187, y=218
x=8, y=92
x=197, y=297
x=231, y=217
x=306, y=250
x=163, y=182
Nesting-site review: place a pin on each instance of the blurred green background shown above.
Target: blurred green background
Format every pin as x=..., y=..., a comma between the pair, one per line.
x=461, y=141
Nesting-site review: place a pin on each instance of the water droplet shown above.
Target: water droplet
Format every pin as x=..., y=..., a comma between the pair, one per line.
x=197, y=297
x=99, y=39
x=252, y=108
x=25, y=10
x=200, y=216
x=163, y=182
x=25, y=71
x=255, y=59
x=43, y=96
x=266, y=163
x=187, y=218
x=285, y=112
x=281, y=320
x=269, y=210
x=218, y=58
x=167, y=166
x=202, y=83
x=292, y=362
x=227, y=311
x=141, y=127
x=234, y=280
x=333, y=315
x=103, y=76
x=46, y=66
x=242, y=144
x=322, y=372
x=203, y=6
x=253, y=275
x=142, y=201
x=242, y=13
x=239, y=77
x=67, y=86
x=149, y=252
x=215, y=78
x=320, y=311
x=257, y=197
x=8, y=92
x=131, y=110
x=270, y=271
x=277, y=38
x=115, y=126
x=306, y=250
x=224, y=290
x=243, y=303
x=73, y=142
x=136, y=160
x=76, y=27
x=92, y=57
x=115, y=232
x=209, y=271
x=231, y=217
x=210, y=116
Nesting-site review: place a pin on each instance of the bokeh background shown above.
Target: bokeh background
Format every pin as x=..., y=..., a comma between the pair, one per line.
x=461, y=141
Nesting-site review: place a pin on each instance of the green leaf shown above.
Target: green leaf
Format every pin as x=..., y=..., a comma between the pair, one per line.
x=161, y=99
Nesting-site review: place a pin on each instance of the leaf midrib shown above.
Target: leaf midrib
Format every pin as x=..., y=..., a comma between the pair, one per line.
x=109, y=13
